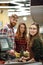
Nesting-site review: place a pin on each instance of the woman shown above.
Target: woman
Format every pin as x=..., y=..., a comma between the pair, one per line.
x=21, y=38
x=35, y=43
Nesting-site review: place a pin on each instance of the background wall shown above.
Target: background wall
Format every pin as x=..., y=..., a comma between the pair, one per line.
x=36, y=2
x=5, y=19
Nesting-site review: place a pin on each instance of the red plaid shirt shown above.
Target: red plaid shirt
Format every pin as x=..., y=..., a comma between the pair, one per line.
x=20, y=44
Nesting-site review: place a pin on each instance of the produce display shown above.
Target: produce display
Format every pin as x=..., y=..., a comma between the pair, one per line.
x=25, y=56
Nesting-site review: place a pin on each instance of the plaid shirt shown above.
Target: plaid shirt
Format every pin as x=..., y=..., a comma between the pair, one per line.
x=10, y=32
x=20, y=44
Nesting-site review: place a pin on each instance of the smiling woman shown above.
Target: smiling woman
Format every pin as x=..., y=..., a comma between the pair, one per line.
x=35, y=43
x=21, y=38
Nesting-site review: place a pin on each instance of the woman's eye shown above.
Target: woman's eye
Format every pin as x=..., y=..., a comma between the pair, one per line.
x=33, y=28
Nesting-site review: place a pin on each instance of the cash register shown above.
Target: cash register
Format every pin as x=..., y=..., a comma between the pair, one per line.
x=5, y=45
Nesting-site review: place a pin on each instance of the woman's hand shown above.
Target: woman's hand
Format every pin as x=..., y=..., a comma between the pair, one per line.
x=32, y=60
x=23, y=59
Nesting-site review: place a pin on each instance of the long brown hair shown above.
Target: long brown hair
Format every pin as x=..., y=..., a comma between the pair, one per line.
x=31, y=38
x=18, y=33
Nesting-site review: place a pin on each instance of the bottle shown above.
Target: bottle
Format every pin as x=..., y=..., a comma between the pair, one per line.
x=21, y=52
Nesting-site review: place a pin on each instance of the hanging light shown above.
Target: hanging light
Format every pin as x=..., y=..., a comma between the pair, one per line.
x=24, y=18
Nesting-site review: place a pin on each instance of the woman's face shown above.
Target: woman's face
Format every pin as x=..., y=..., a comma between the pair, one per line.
x=32, y=30
x=22, y=29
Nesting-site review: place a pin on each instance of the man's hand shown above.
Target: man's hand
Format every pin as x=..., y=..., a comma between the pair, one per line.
x=11, y=52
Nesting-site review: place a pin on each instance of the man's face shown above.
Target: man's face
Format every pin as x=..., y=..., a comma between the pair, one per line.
x=13, y=21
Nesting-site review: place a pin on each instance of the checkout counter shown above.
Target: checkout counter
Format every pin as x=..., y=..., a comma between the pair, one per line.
x=6, y=44
x=22, y=63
